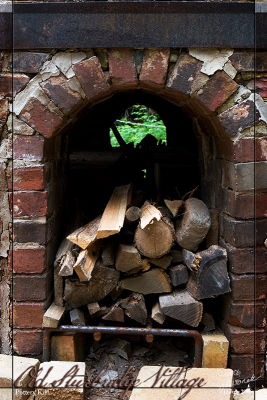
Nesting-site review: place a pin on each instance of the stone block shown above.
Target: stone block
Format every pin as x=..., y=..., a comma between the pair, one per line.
x=60, y=92
x=215, y=350
x=154, y=67
x=91, y=78
x=29, y=204
x=27, y=342
x=217, y=90
x=29, y=260
x=239, y=117
x=28, y=315
x=66, y=388
x=29, y=231
x=122, y=68
x=41, y=118
x=28, y=148
x=17, y=370
x=28, y=62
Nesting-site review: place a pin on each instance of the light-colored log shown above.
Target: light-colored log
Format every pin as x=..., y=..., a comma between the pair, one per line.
x=53, y=316
x=86, y=235
x=174, y=206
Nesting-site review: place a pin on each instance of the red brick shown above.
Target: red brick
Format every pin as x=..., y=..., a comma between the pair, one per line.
x=242, y=150
x=155, y=66
x=92, y=79
x=29, y=204
x=28, y=178
x=28, y=147
x=3, y=110
x=28, y=231
x=27, y=342
x=58, y=89
x=122, y=68
x=28, y=62
x=217, y=90
x=243, y=287
x=29, y=261
x=30, y=288
x=244, y=366
x=243, y=60
x=19, y=82
x=239, y=117
x=242, y=340
x=184, y=73
x=28, y=315
x=244, y=314
x=41, y=118
x=244, y=206
x=241, y=261
x=261, y=87
x=241, y=233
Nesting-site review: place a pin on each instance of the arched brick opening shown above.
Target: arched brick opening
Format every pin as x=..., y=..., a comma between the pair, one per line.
x=52, y=105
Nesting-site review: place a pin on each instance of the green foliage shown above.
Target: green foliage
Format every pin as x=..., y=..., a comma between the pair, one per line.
x=137, y=122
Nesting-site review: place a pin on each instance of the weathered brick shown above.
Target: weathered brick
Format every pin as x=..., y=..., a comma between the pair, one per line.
x=29, y=261
x=27, y=342
x=28, y=231
x=122, y=67
x=244, y=314
x=28, y=315
x=244, y=365
x=242, y=150
x=242, y=340
x=239, y=117
x=28, y=178
x=242, y=261
x=3, y=110
x=28, y=148
x=41, y=118
x=243, y=60
x=19, y=82
x=248, y=287
x=92, y=79
x=3, y=178
x=28, y=62
x=241, y=233
x=242, y=205
x=29, y=204
x=245, y=176
x=30, y=288
x=184, y=73
x=155, y=66
x=58, y=89
x=261, y=87
x=217, y=90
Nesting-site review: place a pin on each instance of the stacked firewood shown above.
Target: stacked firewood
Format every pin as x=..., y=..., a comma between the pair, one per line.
x=140, y=263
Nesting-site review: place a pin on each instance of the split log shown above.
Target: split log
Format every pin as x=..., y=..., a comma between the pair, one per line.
x=102, y=282
x=114, y=214
x=116, y=314
x=108, y=256
x=53, y=316
x=64, y=247
x=86, y=235
x=191, y=260
x=149, y=214
x=93, y=308
x=157, y=315
x=156, y=239
x=177, y=256
x=182, y=306
x=135, y=308
x=77, y=317
x=86, y=261
x=153, y=281
x=211, y=279
x=67, y=264
x=193, y=227
x=128, y=258
x=174, y=206
x=163, y=262
x=178, y=274
x=208, y=322
x=133, y=214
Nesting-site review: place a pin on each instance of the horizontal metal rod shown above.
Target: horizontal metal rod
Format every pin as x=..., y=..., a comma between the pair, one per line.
x=113, y=330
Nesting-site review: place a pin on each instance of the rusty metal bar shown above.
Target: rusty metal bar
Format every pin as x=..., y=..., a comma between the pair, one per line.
x=112, y=330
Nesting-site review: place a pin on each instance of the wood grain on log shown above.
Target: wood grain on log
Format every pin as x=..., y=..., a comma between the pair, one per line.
x=128, y=258
x=86, y=261
x=174, y=206
x=149, y=214
x=135, y=307
x=53, y=316
x=163, y=262
x=153, y=281
x=86, y=235
x=178, y=274
x=114, y=214
x=182, y=306
x=157, y=315
x=133, y=214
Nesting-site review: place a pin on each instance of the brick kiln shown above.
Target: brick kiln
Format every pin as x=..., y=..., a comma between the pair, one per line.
x=64, y=171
